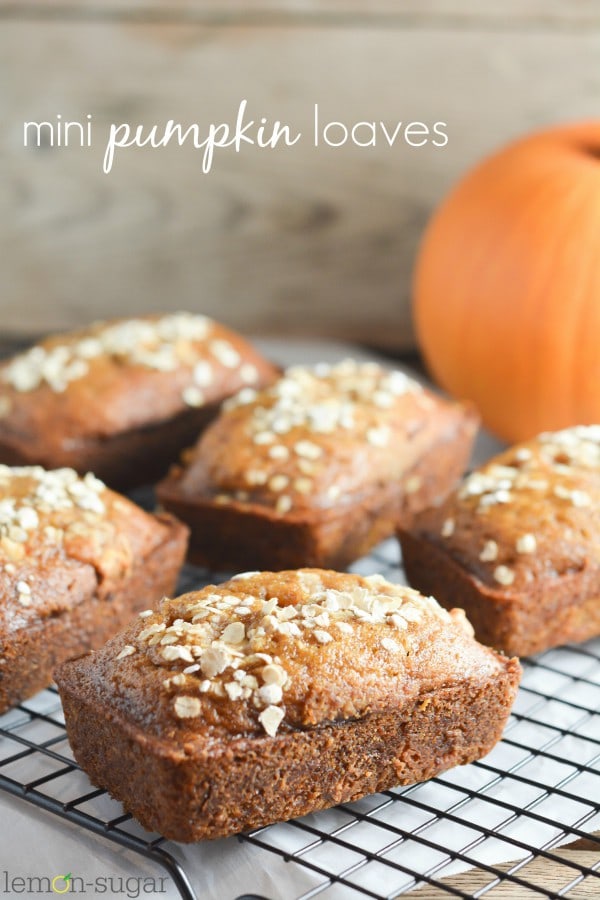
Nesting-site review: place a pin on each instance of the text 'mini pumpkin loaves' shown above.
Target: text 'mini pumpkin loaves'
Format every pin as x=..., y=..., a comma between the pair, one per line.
x=317, y=468
x=77, y=561
x=278, y=694
x=121, y=398
x=518, y=544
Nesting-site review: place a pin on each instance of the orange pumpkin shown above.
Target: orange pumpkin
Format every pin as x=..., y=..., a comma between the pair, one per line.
x=507, y=285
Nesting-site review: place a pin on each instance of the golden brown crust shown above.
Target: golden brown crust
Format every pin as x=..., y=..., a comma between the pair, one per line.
x=76, y=560
x=518, y=543
x=331, y=458
x=67, y=399
x=287, y=669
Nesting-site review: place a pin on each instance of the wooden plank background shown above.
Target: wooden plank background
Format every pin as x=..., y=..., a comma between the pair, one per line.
x=302, y=241
x=509, y=12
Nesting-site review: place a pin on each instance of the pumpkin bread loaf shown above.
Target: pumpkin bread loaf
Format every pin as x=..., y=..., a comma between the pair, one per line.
x=278, y=694
x=317, y=468
x=76, y=562
x=121, y=398
x=518, y=544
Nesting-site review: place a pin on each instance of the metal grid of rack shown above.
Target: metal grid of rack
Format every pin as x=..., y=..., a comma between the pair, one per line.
x=495, y=826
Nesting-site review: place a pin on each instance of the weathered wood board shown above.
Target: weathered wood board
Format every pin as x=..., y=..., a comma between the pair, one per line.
x=304, y=240
x=466, y=12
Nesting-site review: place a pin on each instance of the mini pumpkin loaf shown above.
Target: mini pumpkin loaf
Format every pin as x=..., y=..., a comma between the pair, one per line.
x=518, y=543
x=76, y=562
x=121, y=398
x=317, y=468
x=278, y=694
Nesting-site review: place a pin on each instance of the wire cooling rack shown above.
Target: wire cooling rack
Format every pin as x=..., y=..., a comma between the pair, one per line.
x=506, y=819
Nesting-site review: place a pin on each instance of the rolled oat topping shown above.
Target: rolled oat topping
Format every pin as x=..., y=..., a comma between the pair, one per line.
x=294, y=419
x=23, y=593
x=163, y=344
x=193, y=396
x=226, y=641
x=284, y=504
x=504, y=575
x=270, y=719
x=527, y=543
x=28, y=493
x=551, y=465
x=489, y=552
x=447, y=529
x=579, y=446
x=413, y=484
x=187, y=707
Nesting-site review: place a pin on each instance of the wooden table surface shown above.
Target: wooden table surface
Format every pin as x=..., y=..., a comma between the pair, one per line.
x=546, y=874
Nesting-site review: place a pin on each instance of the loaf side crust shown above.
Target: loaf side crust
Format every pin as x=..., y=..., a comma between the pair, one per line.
x=125, y=460
x=194, y=793
x=518, y=624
